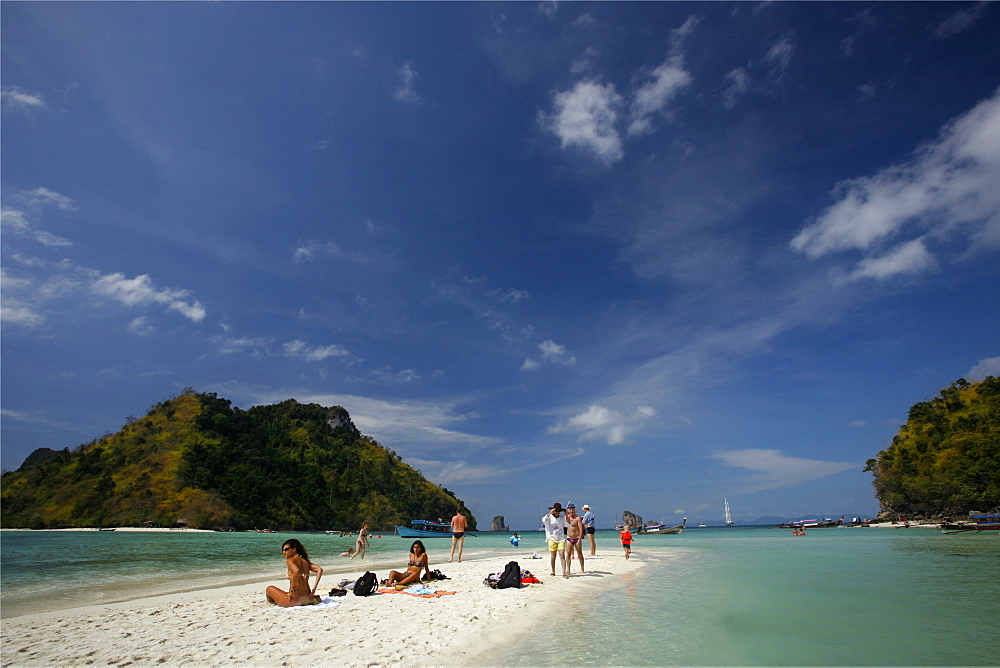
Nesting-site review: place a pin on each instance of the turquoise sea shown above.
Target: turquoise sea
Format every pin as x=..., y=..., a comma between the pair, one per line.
x=709, y=596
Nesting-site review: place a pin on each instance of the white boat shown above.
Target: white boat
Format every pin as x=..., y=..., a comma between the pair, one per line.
x=729, y=515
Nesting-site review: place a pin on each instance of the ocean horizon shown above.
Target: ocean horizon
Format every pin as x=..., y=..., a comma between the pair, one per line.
x=710, y=596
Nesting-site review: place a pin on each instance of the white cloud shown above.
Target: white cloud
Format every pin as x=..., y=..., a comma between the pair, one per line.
x=141, y=326
x=15, y=98
x=514, y=296
x=946, y=193
x=140, y=291
x=552, y=353
x=961, y=20
x=780, y=56
x=33, y=202
x=300, y=350
x=585, y=117
x=407, y=92
x=778, y=470
x=736, y=84
x=653, y=97
x=598, y=422
x=911, y=257
x=17, y=223
x=988, y=366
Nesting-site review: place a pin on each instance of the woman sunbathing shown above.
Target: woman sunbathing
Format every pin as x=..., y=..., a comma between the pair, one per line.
x=299, y=568
x=418, y=562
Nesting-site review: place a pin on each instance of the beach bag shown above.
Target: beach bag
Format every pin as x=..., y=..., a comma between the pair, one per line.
x=366, y=585
x=511, y=576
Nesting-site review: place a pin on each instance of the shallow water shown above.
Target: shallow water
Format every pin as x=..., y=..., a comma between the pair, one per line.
x=715, y=596
x=759, y=596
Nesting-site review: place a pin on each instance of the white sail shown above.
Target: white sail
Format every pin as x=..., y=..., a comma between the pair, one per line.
x=729, y=516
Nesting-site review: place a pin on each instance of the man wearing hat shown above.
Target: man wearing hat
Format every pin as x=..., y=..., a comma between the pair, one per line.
x=555, y=536
x=588, y=523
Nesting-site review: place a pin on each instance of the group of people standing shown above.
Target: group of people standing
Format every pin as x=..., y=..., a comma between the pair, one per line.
x=564, y=534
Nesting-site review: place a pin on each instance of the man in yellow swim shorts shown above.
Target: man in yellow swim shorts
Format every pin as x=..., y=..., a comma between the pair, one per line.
x=556, y=537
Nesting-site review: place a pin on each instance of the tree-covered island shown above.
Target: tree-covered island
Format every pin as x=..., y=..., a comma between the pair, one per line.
x=196, y=461
x=945, y=461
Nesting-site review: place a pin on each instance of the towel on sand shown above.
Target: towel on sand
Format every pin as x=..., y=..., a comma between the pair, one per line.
x=431, y=593
x=327, y=603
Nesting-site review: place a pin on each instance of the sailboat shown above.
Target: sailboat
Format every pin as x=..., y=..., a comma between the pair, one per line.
x=729, y=515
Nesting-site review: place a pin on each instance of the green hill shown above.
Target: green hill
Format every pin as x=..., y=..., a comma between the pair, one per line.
x=195, y=460
x=945, y=461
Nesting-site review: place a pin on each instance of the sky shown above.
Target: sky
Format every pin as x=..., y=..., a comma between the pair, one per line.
x=645, y=256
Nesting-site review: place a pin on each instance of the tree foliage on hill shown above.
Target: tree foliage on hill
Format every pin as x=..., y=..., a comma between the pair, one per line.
x=197, y=460
x=945, y=461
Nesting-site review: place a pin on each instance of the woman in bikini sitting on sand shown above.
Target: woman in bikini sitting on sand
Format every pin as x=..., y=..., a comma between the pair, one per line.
x=418, y=562
x=299, y=568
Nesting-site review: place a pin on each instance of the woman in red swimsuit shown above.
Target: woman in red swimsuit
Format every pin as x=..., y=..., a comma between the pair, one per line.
x=299, y=568
x=418, y=562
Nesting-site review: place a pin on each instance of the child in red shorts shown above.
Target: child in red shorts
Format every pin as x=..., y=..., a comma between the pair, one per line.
x=627, y=542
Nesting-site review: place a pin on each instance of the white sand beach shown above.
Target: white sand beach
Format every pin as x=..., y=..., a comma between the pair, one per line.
x=235, y=625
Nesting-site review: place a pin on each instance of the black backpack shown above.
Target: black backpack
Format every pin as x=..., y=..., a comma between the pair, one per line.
x=366, y=585
x=511, y=576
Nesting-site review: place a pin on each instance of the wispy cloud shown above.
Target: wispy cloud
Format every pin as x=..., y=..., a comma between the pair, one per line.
x=775, y=469
x=946, y=194
x=407, y=90
x=652, y=98
x=140, y=291
x=779, y=56
x=606, y=424
x=735, y=85
x=551, y=353
x=29, y=298
x=961, y=20
x=31, y=204
x=13, y=98
x=301, y=350
x=988, y=366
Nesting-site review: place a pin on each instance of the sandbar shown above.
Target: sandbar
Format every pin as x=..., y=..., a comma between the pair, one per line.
x=235, y=625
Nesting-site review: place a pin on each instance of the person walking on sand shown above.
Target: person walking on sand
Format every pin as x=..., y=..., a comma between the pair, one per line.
x=458, y=524
x=627, y=541
x=299, y=569
x=362, y=541
x=555, y=537
x=574, y=537
x=588, y=523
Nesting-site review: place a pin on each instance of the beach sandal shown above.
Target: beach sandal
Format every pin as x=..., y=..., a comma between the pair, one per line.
x=338, y=592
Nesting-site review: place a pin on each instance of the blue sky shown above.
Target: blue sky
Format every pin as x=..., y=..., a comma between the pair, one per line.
x=642, y=256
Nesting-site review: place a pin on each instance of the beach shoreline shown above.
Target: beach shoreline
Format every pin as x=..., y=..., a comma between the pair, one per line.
x=234, y=624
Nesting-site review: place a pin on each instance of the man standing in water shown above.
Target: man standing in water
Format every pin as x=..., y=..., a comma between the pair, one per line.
x=588, y=523
x=458, y=524
x=555, y=537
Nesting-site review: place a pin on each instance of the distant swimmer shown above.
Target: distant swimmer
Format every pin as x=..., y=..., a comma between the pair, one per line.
x=515, y=540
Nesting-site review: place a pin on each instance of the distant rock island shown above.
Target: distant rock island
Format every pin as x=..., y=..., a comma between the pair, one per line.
x=945, y=461
x=196, y=461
